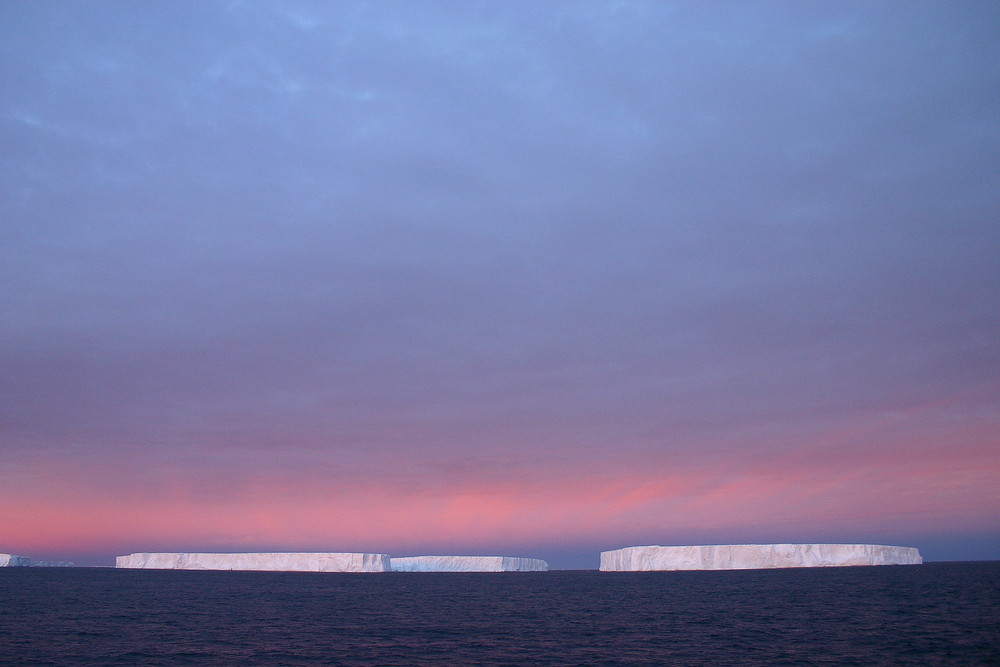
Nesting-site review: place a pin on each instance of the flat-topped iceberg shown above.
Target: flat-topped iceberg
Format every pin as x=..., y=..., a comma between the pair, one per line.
x=468, y=564
x=271, y=562
x=51, y=563
x=754, y=556
x=10, y=560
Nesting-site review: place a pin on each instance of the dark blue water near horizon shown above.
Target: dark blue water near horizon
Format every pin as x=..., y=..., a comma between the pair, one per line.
x=932, y=614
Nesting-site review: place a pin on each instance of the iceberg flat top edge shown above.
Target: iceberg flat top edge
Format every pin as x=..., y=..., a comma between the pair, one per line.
x=757, y=544
x=251, y=555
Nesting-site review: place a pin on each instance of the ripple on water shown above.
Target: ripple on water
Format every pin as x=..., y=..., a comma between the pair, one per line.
x=938, y=613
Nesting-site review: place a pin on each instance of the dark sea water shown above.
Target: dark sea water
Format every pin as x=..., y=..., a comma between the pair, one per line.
x=933, y=614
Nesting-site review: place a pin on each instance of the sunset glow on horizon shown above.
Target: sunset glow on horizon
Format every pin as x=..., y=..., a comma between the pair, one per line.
x=532, y=279
x=808, y=494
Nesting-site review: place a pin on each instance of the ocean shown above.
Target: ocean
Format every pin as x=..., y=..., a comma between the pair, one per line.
x=932, y=614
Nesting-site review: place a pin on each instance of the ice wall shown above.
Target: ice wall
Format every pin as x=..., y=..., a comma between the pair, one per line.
x=754, y=556
x=468, y=564
x=280, y=562
x=10, y=560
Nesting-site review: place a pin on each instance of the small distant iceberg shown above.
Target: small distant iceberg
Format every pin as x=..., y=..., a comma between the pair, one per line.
x=267, y=562
x=10, y=560
x=468, y=564
x=754, y=556
x=52, y=563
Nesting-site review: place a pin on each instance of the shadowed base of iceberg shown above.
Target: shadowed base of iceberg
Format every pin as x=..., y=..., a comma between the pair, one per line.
x=468, y=564
x=754, y=556
x=267, y=562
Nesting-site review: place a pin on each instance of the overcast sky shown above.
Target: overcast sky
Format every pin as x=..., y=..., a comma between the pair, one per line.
x=537, y=278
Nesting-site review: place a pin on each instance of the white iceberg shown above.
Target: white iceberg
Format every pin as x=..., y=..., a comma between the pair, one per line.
x=51, y=563
x=468, y=564
x=754, y=556
x=10, y=560
x=271, y=562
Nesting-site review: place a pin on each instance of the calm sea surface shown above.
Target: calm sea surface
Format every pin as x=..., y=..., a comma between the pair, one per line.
x=933, y=614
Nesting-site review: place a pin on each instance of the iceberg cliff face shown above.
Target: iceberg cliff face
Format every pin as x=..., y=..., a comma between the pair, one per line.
x=274, y=562
x=468, y=564
x=10, y=560
x=754, y=556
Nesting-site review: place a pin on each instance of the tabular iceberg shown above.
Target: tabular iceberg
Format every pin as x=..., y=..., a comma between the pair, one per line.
x=271, y=562
x=468, y=564
x=10, y=560
x=754, y=556
x=52, y=563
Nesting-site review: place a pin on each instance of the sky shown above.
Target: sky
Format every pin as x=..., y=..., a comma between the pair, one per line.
x=520, y=278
